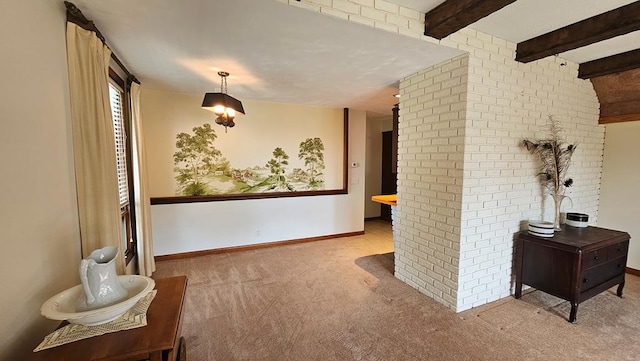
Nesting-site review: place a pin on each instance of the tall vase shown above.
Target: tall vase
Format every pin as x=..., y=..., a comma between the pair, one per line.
x=557, y=200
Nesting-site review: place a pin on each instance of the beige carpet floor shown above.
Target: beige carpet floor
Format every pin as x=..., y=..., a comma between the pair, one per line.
x=338, y=300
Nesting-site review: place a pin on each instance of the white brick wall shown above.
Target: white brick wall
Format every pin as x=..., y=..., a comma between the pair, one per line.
x=509, y=101
x=465, y=185
x=430, y=166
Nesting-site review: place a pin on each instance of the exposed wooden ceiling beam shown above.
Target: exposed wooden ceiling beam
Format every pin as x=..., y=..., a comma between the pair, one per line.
x=619, y=112
x=607, y=25
x=610, y=65
x=453, y=15
x=619, y=96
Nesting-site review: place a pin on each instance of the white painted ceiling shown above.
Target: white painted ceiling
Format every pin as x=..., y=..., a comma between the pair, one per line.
x=274, y=52
x=525, y=19
x=281, y=53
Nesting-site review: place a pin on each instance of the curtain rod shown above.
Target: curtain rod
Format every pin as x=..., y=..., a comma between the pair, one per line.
x=76, y=16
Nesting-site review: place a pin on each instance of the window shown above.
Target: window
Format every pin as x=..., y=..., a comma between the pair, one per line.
x=121, y=128
x=115, y=97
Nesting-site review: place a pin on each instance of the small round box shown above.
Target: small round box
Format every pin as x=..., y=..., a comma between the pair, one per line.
x=579, y=220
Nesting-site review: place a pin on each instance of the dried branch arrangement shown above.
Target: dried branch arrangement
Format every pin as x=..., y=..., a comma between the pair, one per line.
x=554, y=155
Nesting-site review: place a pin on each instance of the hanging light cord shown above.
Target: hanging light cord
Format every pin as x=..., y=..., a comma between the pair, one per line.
x=223, y=81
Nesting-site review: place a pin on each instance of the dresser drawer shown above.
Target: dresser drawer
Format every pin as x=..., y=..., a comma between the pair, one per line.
x=602, y=273
x=594, y=258
x=617, y=250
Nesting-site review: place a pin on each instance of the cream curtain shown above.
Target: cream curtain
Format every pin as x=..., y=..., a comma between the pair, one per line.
x=93, y=143
x=146, y=263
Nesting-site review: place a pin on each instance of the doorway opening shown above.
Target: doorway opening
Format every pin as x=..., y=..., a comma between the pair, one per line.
x=389, y=177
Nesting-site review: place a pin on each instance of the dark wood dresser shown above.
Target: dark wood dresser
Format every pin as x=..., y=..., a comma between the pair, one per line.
x=575, y=264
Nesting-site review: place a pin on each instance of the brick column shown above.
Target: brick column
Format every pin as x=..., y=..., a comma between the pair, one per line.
x=430, y=166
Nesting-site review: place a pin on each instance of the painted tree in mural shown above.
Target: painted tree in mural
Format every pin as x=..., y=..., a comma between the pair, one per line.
x=278, y=165
x=195, y=158
x=224, y=166
x=312, y=152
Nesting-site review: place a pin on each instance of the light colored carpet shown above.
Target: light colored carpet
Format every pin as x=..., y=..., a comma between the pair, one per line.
x=338, y=300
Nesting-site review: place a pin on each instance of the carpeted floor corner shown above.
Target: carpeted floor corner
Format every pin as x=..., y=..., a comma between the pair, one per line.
x=338, y=300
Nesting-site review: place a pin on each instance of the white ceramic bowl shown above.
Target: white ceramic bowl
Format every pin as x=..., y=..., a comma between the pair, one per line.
x=541, y=229
x=63, y=306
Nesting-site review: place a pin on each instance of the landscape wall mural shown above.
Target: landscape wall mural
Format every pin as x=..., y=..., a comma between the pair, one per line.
x=274, y=150
x=202, y=169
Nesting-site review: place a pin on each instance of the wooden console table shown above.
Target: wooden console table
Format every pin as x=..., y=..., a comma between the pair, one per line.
x=159, y=340
x=575, y=264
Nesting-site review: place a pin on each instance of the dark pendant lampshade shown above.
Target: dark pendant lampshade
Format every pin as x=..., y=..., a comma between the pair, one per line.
x=213, y=99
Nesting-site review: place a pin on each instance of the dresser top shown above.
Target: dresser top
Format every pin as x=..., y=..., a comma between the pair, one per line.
x=579, y=239
x=163, y=318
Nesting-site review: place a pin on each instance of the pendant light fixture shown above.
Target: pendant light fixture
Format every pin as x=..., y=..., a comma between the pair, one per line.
x=222, y=104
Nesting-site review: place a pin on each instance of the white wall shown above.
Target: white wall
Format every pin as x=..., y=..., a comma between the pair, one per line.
x=38, y=214
x=373, y=166
x=187, y=227
x=619, y=194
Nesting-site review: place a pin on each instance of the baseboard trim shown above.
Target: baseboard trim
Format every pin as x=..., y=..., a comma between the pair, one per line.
x=632, y=271
x=372, y=219
x=168, y=257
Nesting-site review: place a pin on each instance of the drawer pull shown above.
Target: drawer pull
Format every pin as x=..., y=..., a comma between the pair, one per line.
x=596, y=258
x=619, y=249
x=619, y=265
x=586, y=280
